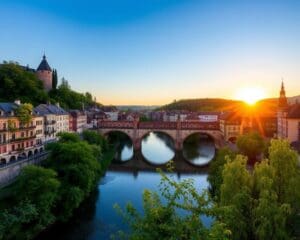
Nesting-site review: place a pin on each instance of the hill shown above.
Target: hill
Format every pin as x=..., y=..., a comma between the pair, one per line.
x=16, y=82
x=202, y=104
x=265, y=106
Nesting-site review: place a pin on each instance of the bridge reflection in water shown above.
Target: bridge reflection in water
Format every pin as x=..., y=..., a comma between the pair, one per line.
x=158, y=149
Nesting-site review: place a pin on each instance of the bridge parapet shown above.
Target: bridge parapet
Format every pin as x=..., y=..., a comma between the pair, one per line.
x=157, y=125
x=199, y=126
x=116, y=124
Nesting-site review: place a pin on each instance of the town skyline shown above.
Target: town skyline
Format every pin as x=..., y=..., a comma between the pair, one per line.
x=126, y=53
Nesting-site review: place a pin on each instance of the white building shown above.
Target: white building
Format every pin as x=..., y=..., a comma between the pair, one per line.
x=56, y=120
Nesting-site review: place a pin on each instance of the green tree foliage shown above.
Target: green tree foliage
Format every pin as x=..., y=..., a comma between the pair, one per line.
x=269, y=216
x=18, y=83
x=24, y=113
x=216, y=167
x=70, y=99
x=35, y=193
x=251, y=144
x=41, y=196
x=161, y=219
x=95, y=138
x=54, y=79
x=78, y=168
x=266, y=200
x=258, y=204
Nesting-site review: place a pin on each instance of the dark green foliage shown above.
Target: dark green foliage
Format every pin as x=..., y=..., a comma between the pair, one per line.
x=70, y=99
x=17, y=83
x=41, y=196
x=54, y=79
x=78, y=170
x=35, y=194
x=93, y=137
x=251, y=144
x=216, y=168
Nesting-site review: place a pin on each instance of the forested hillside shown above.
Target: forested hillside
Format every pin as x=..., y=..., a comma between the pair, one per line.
x=16, y=82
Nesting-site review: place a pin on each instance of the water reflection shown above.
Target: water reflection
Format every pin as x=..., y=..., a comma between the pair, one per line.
x=158, y=148
x=198, y=149
x=122, y=145
x=97, y=219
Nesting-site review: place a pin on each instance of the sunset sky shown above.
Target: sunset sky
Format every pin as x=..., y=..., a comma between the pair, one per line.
x=155, y=51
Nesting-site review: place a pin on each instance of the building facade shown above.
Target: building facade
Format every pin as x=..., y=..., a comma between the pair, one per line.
x=56, y=120
x=77, y=121
x=17, y=141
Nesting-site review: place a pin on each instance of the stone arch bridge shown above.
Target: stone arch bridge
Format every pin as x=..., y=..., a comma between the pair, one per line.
x=178, y=131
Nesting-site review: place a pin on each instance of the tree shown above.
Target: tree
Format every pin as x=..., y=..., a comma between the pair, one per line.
x=95, y=138
x=284, y=161
x=24, y=113
x=40, y=186
x=251, y=144
x=235, y=199
x=78, y=170
x=54, y=79
x=161, y=219
x=269, y=216
x=19, y=83
x=216, y=167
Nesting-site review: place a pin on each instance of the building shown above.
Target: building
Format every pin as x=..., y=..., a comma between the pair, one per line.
x=282, y=114
x=17, y=141
x=44, y=73
x=56, y=120
x=288, y=119
x=77, y=121
x=230, y=126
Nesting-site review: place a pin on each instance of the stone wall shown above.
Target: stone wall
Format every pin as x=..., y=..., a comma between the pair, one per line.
x=9, y=172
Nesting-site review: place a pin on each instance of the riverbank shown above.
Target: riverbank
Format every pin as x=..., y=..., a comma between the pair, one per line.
x=44, y=195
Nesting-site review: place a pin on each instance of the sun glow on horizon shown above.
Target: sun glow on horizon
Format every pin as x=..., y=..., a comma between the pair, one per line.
x=250, y=95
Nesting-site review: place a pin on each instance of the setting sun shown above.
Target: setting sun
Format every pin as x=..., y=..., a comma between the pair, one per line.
x=250, y=95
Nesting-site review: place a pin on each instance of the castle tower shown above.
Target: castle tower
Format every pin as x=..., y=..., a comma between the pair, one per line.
x=44, y=73
x=282, y=103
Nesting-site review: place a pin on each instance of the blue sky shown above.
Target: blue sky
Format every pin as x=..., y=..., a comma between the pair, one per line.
x=155, y=51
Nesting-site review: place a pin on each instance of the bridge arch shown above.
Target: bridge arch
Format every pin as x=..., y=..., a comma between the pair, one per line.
x=3, y=161
x=123, y=144
x=154, y=154
x=127, y=132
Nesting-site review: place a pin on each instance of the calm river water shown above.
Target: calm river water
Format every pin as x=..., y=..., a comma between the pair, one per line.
x=97, y=219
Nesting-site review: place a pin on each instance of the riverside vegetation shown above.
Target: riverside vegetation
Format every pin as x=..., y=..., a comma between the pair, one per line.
x=42, y=195
x=18, y=83
x=260, y=203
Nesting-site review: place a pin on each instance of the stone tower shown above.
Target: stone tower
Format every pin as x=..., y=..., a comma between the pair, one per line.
x=44, y=73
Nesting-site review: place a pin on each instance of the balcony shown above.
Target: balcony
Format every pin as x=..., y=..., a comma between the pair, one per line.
x=26, y=127
x=50, y=122
x=22, y=139
x=4, y=129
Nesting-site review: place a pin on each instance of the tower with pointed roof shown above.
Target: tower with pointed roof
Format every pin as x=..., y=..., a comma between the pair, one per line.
x=282, y=113
x=44, y=73
x=282, y=103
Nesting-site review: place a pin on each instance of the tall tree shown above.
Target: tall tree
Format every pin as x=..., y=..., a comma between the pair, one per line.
x=54, y=79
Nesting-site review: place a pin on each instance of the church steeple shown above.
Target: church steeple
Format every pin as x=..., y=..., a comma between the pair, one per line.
x=282, y=98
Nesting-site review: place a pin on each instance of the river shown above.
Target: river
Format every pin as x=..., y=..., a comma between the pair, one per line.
x=97, y=219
